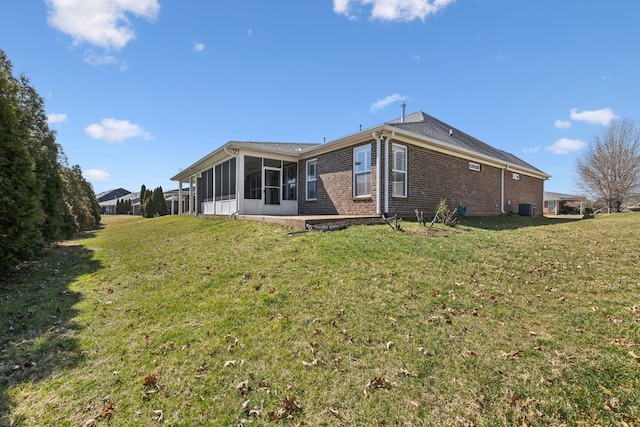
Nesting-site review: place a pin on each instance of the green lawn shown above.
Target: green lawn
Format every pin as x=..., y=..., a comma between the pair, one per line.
x=192, y=321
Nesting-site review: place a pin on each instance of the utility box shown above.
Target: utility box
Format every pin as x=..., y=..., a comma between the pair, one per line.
x=525, y=209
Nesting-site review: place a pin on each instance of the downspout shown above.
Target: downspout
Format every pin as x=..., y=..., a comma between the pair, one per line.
x=386, y=172
x=502, y=190
x=378, y=187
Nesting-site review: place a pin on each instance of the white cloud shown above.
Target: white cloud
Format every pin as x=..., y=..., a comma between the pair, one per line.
x=56, y=118
x=250, y=32
x=393, y=10
x=566, y=146
x=198, y=47
x=112, y=130
x=531, y=150
x=561, y=124
x=599, y=117
x=386, y=101
x=101, y=23
x=96, y=175
x=97, y=60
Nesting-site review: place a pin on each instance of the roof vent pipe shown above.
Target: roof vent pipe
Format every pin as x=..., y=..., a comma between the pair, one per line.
x=403, y=105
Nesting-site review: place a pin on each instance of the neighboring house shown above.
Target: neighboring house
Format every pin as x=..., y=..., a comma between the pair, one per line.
x=562, y=204
x=108, y=199
x=393, y=168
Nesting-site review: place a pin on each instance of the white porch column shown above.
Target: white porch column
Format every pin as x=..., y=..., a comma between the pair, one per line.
x=180, y=198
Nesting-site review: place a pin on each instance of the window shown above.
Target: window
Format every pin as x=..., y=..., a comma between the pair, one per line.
x=552, y=206
x=289, y=175
x=312, y=179
x=252, y=177
x=399, y=171
x=226, y=180
x=516, y=176
x=362, y=171
x=474, y=167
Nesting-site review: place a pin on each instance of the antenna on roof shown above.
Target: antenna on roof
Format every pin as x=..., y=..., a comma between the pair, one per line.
x=450, y=131
x=360, y=127
x=403, y=105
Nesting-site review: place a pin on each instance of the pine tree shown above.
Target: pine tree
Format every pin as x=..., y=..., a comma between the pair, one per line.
x=148, y=205
x=160, y=203
x=20, y=233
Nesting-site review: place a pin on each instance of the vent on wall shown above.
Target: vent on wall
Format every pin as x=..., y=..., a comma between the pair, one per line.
x=474, y=166
x=516, y=176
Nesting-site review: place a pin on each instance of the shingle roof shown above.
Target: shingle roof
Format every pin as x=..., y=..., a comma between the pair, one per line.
x=426, y=125
x=112, y=194
x=289, y=146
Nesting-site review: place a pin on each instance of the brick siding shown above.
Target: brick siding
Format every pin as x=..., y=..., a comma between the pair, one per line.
x=431, y=175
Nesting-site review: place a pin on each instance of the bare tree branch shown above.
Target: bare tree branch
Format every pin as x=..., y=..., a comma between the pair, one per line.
x=610, y=168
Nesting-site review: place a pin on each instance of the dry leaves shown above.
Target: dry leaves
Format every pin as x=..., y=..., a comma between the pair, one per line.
x=377, y=383
x=150, y=380
x=289, y=407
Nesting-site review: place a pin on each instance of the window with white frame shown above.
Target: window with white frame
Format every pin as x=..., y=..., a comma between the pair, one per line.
x=399, y=171
x=362, y=171
x=312, y=179
x=474, y=166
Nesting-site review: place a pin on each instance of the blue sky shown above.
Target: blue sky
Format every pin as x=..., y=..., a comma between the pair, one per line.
x=137, y=89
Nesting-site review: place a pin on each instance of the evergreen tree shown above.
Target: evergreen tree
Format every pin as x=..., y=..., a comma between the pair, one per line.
x=143, y=192
x=41, y=200
x=148, y=205
x=20, y=233
x=160, y=203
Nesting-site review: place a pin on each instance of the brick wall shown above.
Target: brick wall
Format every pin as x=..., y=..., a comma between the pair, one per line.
x=335, y=185
x=432, y=176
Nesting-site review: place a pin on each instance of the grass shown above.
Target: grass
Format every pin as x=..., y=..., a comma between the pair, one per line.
x=188, y=321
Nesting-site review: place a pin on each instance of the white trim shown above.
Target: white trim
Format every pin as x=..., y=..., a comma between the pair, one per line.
x=367, y=170
x=401, y=148
x=307, y=180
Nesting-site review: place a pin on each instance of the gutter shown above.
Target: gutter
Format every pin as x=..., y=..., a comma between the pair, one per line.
x=502, y=190
x=378, y=187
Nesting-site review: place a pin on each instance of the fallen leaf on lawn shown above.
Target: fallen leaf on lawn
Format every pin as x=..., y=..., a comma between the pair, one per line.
x=230, y=363
x=468, y=353
x=635, y=356
x=288, y=407
x=389, y=344
x=243, y=387
x=376, y=383
x=606, y=390
x=158, y=415
x=334, y=411
x=623, y=342
x=150, y=380
x=107, y=410
x=311, y=364
x=415, y=403
x=407, y=373
x=514, y=399
x=90, y=422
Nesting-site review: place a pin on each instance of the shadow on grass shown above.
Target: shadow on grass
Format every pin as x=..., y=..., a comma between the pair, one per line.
x=37, y=333
x=512, y=222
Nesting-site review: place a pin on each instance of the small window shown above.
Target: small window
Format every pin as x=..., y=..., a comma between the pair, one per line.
x=516, y=176
x=312, y=179
x=474, y=166
x=399, y=171
x=362, y=171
